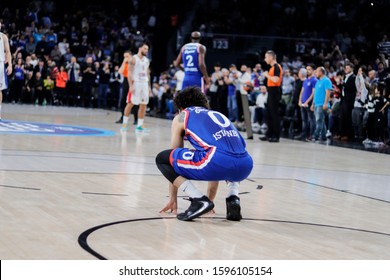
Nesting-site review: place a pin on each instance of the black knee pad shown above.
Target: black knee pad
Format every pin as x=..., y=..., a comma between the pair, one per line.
x=164, y=165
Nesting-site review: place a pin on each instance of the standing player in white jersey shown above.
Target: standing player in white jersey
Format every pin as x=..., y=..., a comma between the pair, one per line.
x=5, y=59
x=193, y=57
x=139, y=83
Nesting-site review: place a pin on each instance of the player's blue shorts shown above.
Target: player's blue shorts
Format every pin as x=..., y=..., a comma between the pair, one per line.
x=211, y=165
x=193, y=81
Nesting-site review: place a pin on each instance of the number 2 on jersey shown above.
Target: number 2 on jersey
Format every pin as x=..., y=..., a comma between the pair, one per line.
x=189, y=59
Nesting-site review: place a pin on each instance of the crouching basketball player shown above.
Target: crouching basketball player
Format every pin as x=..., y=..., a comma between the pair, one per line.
x=219, y=154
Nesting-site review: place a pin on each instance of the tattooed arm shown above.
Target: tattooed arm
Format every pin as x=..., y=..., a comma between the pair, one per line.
x=177, y=131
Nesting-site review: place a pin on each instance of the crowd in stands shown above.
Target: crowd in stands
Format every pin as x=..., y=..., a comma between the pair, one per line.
x=72, y=59
x=48, y=37
x=358, y=106
x=361, y=22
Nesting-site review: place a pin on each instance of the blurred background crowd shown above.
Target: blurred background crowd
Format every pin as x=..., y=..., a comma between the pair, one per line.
x=69, y=53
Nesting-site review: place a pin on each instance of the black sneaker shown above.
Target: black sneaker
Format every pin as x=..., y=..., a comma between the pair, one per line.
x=233, y=208
x=198, y=207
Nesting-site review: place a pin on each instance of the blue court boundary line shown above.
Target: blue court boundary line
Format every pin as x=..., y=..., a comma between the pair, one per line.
x=100, y=132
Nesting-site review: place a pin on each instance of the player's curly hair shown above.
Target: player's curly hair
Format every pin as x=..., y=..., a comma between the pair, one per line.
x=191, y=96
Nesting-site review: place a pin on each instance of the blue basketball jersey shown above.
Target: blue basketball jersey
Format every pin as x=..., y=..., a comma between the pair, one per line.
x=219, y=152
x=190, y=56
x=207, y=128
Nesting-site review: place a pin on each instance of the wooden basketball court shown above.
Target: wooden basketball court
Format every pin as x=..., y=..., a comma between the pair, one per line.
x=98, y=196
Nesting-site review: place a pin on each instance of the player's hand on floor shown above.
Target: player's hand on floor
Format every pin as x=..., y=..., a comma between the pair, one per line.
x=171, y=207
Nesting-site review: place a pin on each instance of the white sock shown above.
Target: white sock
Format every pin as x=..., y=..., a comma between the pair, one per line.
x=125, y=119
x=140, y=122
x=189, y=189
x=233, y=188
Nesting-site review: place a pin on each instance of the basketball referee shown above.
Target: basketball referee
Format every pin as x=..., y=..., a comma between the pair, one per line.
x=274, y=81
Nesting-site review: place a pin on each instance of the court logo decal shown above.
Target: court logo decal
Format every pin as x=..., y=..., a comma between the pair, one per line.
x=33, y=128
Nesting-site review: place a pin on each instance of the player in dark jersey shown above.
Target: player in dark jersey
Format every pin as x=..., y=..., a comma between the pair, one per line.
x=192, y=55
x=218, y=154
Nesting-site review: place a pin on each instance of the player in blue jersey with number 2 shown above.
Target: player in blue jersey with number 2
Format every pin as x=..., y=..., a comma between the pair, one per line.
x=192, y=55
x=218, y=154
